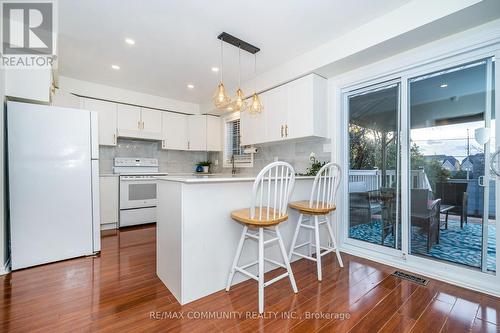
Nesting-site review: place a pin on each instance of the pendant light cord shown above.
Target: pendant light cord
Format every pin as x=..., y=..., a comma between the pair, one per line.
x=221, y=60
x=239, y=66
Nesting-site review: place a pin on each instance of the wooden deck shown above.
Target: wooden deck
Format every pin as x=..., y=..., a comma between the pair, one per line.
x=119, y=292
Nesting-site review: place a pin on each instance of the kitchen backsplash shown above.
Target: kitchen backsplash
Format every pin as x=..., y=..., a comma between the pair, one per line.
x=294, y=152
x=172, y=161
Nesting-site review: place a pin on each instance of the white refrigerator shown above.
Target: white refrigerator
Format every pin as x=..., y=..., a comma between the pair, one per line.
x=53, y=181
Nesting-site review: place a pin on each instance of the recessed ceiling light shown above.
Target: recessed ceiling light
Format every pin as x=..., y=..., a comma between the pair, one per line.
x=215, y=69
x=129, y=41
x=444, y=85
x=190, y=86
x=115, y=67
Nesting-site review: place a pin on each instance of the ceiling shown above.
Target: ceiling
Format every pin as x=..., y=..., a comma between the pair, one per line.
x=176, y=40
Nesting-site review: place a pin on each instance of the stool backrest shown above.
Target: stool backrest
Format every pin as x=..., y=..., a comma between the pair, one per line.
x=271, y=191
x=325, y=186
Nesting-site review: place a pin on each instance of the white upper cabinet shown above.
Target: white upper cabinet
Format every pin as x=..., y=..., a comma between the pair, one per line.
x=151, y=124
x=107, y=118
x=214, y=133
x=307, y=107
x=136, y=122
x=31, y=84
x=197, y=132
x=294, y=110
x=129, y=120
x=190, y=132
x=174, y=131
x=275, y=110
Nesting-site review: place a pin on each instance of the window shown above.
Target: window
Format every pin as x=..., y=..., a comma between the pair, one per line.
x=232, y=147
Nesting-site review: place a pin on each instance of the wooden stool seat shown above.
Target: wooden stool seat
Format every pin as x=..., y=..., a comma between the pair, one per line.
x=270, y=194
x=318, y=208
x=243, y=216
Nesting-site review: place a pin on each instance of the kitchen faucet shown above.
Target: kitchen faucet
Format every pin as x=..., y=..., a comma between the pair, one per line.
x=233, y=171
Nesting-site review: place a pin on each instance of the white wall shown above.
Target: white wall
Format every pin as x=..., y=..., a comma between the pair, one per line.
x=3, y=233
x=95, y=90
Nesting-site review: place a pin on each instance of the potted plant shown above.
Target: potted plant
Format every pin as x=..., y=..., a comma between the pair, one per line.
x=205, y=165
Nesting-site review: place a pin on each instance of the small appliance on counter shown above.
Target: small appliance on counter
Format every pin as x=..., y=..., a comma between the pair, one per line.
x=138, y=189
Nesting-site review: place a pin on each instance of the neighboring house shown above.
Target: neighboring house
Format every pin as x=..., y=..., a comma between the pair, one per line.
x=450, y=163
x=475, y=164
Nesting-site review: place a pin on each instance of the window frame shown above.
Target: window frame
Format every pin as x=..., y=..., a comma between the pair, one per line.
x=243, y=163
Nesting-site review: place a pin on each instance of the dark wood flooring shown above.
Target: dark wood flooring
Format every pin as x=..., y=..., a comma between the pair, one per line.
x=119, y=292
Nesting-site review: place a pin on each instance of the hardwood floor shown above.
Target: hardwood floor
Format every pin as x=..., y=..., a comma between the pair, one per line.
x=119, y=292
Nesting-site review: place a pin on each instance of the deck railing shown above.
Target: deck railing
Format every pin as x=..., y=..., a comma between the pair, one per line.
x=372, y=179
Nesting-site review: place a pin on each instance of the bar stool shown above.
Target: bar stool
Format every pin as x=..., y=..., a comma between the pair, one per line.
x=320, y=204
x=270, y=194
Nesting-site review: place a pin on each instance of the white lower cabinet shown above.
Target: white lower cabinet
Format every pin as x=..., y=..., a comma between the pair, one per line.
x=109, y=203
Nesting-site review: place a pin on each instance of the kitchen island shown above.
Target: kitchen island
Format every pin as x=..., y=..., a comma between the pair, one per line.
x=196, y=237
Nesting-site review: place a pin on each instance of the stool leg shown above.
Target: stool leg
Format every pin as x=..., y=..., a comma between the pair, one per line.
x=236, y=258
x=261, y=270
x=332, y=236
x=295, y=235
x=318, y=249
x=285, y=259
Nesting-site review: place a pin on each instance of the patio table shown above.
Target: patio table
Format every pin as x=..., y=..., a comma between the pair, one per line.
x=445, y=209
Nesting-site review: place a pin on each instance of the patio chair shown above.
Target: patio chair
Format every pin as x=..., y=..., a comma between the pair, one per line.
x=426, y=215
x=453, y=194
x=362, y=207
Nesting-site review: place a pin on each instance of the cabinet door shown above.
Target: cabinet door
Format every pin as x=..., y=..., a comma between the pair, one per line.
x=108, y=191
x=300, y=108
x=106, y=113
x=174, y=131
x=276, y=113
x=151, y=122
x=197, y=136
x=253, y=127
x=214, y=134
x=129, y=120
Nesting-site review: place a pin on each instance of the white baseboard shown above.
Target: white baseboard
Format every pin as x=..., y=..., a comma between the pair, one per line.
x=109, y=226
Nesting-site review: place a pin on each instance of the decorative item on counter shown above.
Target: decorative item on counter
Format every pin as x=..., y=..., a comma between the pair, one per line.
x=315, y=166
x=204, y=166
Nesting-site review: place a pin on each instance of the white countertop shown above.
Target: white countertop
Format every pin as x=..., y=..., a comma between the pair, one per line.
x=214, y=178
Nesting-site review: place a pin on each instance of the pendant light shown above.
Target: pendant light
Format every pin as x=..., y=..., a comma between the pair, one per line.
x=239, y=100
x=220, y=98
x=255, y=104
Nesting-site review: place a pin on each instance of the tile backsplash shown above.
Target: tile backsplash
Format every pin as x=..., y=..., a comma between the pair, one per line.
x=172, y=161
x=295, y=152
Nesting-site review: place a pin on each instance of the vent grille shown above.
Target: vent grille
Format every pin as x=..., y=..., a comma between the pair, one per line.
x=413, y=278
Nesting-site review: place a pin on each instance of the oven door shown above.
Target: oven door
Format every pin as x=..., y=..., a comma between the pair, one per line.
x=137, y=193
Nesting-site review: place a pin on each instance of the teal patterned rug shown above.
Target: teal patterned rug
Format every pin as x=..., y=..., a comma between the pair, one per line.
x=462, y=246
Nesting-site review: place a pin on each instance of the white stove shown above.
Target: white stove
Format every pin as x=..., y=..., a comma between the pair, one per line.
x=138, y=189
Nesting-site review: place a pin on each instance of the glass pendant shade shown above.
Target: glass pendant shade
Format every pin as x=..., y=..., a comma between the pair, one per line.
x=255, y=106
x=221, y=98
x=239, y=101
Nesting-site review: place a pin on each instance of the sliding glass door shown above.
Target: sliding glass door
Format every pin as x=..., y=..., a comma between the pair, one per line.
x=420, y=185
x=374, y=164
x=451, y=191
